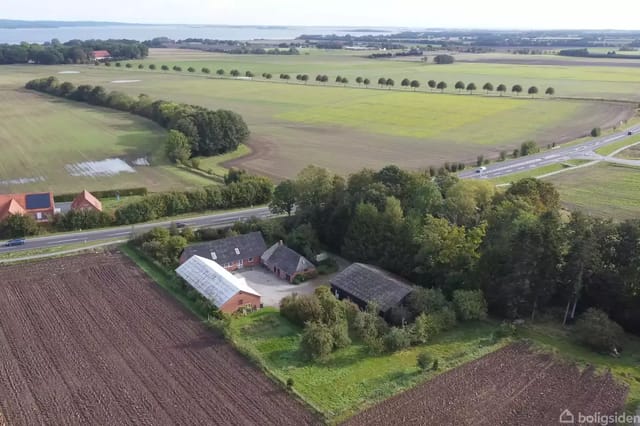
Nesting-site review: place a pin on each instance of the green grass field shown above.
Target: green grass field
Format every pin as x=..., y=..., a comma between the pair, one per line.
x=41, y=136
x=363, y=379
x=540, y=171
x=606, y=190
x=345, y=129
x=631, y=153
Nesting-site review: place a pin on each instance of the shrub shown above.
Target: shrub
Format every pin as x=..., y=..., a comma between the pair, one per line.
x=506, y=329
x=424, y=360
x=317, y=341
x=397, y=339
x=479, y=160
x=301, y=309
x=528, y=148
x=350, y=311
x=18, y=225
x=594, y=329
x=596, y=131
x=470, y=304
x=435, y=366
x=289, y=383
x=426, y=300
x=340, y=333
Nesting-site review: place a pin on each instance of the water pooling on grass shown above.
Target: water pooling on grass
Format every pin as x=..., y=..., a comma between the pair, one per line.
x=108, y=167
x=22, y=180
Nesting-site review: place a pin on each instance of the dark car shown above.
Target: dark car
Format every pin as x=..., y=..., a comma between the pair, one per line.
x=181, y=225
x=15, y=242
x=629, y=133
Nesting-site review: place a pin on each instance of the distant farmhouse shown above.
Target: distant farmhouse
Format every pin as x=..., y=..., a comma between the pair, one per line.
x=363, y=284
x=232, y=253
x=286, y=263
x=40, y=206
x=86, y=201
x=100, y=55
x=224, y=290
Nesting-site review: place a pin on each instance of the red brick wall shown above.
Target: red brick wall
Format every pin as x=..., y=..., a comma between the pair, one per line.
x=84, y=205
x=239, y=300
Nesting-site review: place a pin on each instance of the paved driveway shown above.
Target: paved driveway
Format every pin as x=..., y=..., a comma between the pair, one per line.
x=272, y=289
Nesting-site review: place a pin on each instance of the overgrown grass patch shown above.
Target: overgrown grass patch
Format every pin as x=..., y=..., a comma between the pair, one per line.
x=352, y=378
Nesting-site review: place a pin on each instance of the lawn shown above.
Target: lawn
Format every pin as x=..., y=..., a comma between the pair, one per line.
x=606, y=190
x=347, y=128
x=41, y=137
x=352, y=379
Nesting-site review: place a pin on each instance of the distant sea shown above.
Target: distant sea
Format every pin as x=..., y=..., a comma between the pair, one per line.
x=178, y=32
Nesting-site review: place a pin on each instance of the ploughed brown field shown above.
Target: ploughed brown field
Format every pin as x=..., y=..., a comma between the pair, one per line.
x=512, y=386
x=91, y=340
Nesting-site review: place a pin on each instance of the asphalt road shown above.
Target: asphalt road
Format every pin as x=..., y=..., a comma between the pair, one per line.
x=557, y=155
x=124, y=232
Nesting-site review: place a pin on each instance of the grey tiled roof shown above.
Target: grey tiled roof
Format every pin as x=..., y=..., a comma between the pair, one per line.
x=247, y=245
x=371, y=284
x=286, y=259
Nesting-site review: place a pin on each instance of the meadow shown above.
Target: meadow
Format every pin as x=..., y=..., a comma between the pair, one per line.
x=347, y=128
x=44, y=140
x=605, y=190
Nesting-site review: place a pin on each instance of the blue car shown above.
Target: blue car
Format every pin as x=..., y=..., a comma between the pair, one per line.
x=16, y=242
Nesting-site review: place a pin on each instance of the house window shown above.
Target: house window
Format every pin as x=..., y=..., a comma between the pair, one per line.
x=39, y=216
x=250, y=259
x=240, y=302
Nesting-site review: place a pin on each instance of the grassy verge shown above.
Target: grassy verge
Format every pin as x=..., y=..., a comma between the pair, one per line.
x=363, y=379
x=540, y=171
x=630, y=153
x=163, y=278
x=53, y=251
x=609, y=149
x=214, y=164
x=554, y=338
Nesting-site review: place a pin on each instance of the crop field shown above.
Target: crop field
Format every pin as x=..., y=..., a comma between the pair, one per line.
x=91, y=340
x=347, y=128
x=513, y=385
x=605, y=190
x=52, y=144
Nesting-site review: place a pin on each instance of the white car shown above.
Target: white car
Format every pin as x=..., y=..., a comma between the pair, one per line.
x=481, y=169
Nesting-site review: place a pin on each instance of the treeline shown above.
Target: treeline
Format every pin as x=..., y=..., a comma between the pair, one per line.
x=209, y=132
x=584, y=53
x=71, y=52
x=449, y=234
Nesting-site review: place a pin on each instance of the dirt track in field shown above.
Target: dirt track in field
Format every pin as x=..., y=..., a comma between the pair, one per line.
x=513, y=386
x=91, y=340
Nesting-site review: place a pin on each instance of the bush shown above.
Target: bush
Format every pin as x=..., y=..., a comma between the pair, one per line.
x=424, y=360
x=17, y=226
x=479, y=160
x=528, y=148
x=111, y=193
x=426, y=300
x=596, y=131
x=301, y=309
x=470, y=304
x=594, y=329
x=340, y=333
x=289, y=383
x=506, y=329
x=435, y=365
x=397, y=339
x=317, y=341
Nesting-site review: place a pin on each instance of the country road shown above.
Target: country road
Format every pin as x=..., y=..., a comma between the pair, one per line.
x=123, y=232
x=583, y=151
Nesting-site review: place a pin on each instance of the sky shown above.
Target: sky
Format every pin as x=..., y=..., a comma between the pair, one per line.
x=518, y=14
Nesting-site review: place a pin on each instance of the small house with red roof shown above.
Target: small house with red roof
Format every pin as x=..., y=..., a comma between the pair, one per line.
x=86, y=201
x=38, y=205
x=101, y=55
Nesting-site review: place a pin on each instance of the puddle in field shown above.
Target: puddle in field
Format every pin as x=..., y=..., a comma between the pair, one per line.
x=142, y=161
x=125, y=81
x=68, y=72
x=108, y=167
x=22, y=181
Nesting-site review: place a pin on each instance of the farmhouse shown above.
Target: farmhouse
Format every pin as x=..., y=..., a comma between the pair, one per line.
x=101, y=55
x=286, y=263
x=86, y=201
x=232, y=253
x=363, y=284
x=223, y=289
x=38, y=205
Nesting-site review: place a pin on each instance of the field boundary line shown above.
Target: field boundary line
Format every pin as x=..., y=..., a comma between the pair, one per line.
x=61, y=253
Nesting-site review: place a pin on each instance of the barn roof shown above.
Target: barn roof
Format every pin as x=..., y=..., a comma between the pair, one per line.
x=285, y=259
x=372, y=284
x=86, y=196
x=230, y=249
x=101, y=54
x=212, y=281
